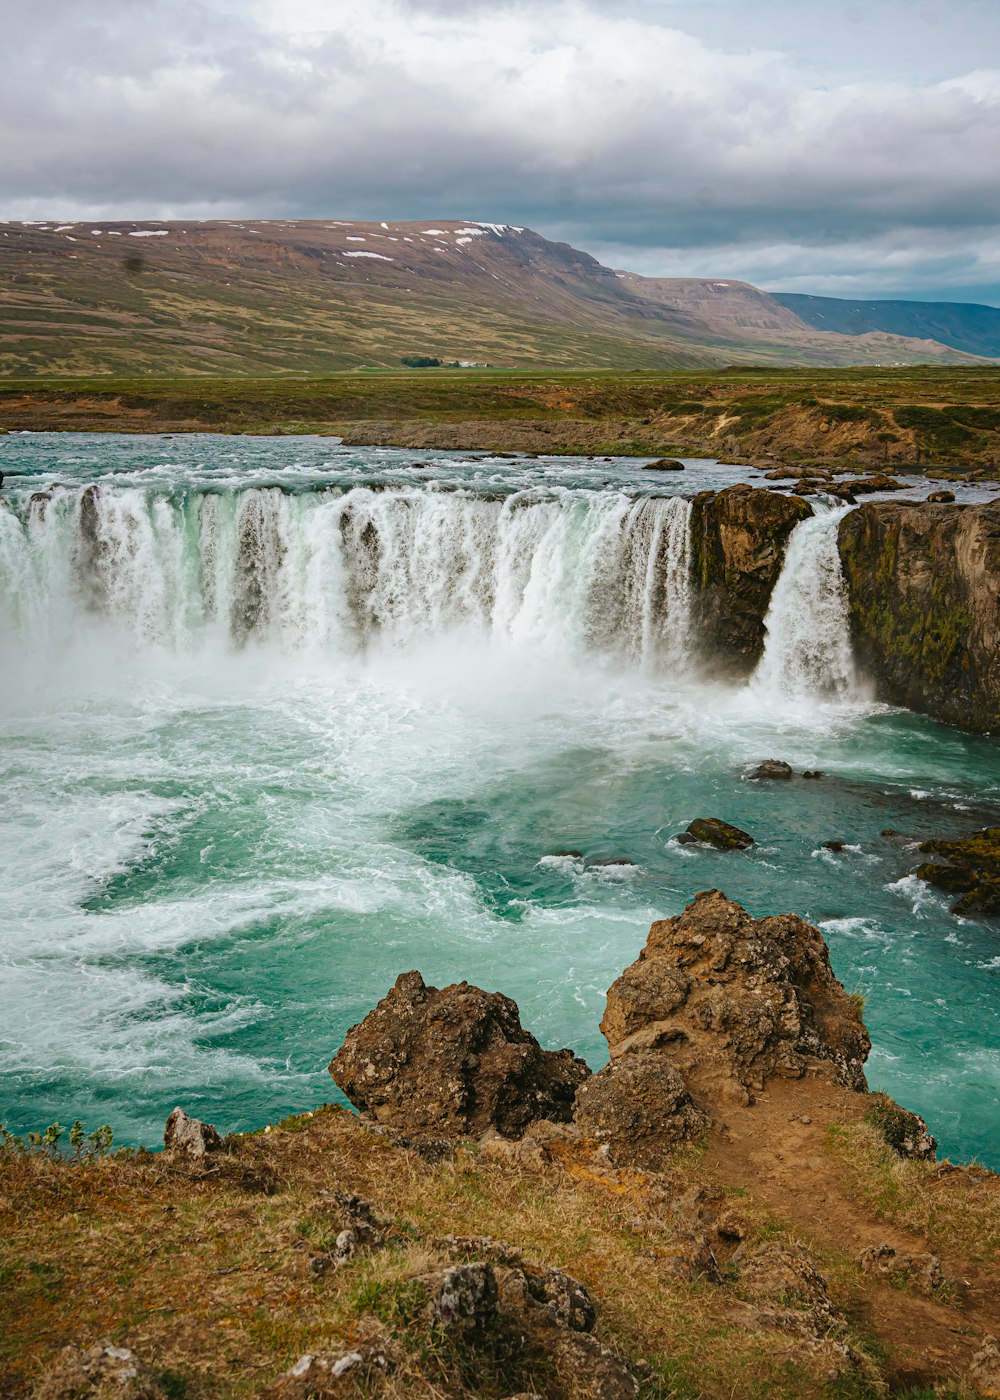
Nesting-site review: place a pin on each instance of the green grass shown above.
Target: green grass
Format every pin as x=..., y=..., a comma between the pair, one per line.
x=868, y=416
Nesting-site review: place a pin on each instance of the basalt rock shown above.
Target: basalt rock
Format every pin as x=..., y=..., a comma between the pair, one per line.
x=453, y=1063
x=738, y=540
x=639, y=1108
x=870, y=485
x=713, y=831
x=968, y=866
x=923, y=585
x=771, y=768
x=716, y=1004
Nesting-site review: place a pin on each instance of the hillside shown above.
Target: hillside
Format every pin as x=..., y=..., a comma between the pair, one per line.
x=974, y=329
x=307, y=297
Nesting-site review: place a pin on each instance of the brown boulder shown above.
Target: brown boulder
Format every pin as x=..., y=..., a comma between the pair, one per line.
x=972, y=870
x=639, y=1108
x=905, y=1132
x=730, y=1001
x=453, y=1063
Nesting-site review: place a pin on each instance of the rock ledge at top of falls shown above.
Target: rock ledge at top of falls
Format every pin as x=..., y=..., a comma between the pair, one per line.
x=923, y=585
x=738, y=541
x=453, y=1062
x=716, y=1005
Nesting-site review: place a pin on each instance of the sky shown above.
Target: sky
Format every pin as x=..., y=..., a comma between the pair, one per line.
x=820, y=146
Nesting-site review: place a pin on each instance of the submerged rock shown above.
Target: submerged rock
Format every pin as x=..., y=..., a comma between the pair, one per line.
x=713, y=831
x=969, y=866
x=775, y=768
x=453, y=1063
x=923, y=586
x=869, y=485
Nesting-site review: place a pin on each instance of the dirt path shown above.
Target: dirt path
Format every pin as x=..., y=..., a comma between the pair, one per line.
x=805, y=1184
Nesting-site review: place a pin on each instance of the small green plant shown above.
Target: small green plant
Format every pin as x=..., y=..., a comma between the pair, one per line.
x=46, y=1143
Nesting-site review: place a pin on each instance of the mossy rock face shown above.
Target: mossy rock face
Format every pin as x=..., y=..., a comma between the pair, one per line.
x=972, y=869
x=738, y=542
x=713, y=831
x=923, y=584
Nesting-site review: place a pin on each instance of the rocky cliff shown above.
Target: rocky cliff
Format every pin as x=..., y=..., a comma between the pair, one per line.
x=738, y=540
x=923, y=582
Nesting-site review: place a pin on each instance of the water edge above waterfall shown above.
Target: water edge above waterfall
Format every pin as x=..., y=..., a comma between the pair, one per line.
x=214, y=857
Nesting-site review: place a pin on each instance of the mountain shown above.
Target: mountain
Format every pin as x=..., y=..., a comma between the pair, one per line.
x=972, y=328
x=312, y=296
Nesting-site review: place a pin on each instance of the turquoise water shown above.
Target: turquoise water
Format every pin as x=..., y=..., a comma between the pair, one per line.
x=227, y=824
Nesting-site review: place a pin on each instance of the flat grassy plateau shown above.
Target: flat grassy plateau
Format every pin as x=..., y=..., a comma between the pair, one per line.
x=896, y=418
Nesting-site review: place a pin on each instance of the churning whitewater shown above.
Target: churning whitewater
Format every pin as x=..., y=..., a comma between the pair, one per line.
x=280, y=719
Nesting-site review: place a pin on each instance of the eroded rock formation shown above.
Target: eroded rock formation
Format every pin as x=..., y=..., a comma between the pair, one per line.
x=453, y=1062
x=716, y=1004
x=923, y=583
x=738, y=539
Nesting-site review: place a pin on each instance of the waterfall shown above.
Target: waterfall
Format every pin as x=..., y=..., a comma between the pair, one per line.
x=807, y=652
x=570, y=570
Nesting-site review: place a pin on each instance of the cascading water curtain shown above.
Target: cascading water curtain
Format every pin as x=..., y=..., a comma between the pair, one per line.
x=576, y=571
x=808, y=653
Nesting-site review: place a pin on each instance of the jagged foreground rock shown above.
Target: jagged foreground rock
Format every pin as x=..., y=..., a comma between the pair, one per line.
x=453, y=1062
x=716, y=1004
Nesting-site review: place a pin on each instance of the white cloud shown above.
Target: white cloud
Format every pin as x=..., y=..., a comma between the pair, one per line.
x=605, y=124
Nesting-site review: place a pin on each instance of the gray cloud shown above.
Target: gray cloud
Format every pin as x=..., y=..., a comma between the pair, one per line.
x=610, y=127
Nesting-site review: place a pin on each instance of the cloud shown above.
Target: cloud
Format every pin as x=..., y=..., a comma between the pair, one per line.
x=607, y=126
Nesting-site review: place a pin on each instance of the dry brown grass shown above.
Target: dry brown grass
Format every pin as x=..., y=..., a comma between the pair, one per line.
x=957, y=1210
x=209, y=1279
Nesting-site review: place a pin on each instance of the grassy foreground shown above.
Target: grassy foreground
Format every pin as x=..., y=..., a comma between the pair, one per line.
x=213, y=1272
x=896, y=417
